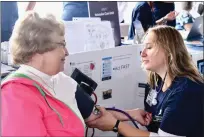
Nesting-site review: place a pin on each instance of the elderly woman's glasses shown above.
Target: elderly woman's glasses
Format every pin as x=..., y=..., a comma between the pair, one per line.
x=63, y=44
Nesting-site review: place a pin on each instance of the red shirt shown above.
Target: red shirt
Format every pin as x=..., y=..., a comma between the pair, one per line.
x=26, y=112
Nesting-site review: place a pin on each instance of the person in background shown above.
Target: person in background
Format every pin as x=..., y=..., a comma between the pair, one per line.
x=74, y=9
x=143, y=12
x=200, y=9
x=176, y=98
x=30, y=6
x=185, y=20
x=80, y=9
x=9, y=15
x=161, y=9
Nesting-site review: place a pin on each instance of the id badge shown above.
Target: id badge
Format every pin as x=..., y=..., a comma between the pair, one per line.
x=151, y=96
x=157, y=118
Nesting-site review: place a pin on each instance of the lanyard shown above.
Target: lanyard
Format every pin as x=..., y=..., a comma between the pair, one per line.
x=158, y=117
x=162, y=83
x=163, y=102
x=160, y=89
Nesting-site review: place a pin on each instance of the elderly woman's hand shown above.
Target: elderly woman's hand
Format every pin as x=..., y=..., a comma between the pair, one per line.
x=105, y=122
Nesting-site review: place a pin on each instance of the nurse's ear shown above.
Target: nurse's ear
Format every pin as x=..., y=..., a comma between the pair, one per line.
x=170, y=57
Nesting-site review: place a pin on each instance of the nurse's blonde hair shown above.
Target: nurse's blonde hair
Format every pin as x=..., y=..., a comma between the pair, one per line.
x=33, y=33
x=178, y=59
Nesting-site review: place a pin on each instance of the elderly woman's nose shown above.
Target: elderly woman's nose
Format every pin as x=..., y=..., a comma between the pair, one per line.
x=66, y=51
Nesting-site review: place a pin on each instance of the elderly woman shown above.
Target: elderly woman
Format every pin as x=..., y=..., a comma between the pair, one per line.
x=177, y=96
x=36, y=104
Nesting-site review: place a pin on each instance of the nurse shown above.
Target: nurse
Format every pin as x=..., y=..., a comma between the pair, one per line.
x=162, y=8
x=176, y=96
x=74, y=9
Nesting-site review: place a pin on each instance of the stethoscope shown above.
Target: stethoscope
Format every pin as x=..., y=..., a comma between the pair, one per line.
x=154, y=100
x=159, y=114
x=158, y=117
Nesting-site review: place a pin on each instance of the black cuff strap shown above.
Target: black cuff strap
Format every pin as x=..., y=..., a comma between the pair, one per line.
x=115, y=128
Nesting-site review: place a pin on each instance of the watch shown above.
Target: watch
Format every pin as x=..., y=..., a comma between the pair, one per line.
x=115, y=128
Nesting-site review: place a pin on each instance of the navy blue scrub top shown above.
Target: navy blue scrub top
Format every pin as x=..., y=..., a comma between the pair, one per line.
x=9, y=15
x=182, y=110
x=74, y=9
x=161, y=9
x=143, y=13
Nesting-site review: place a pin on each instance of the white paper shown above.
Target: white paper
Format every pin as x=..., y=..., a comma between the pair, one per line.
x=74, y=36
x=87, y=36
x=99, y=36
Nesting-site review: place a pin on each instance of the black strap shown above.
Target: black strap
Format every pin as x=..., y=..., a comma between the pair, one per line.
x=115, y=128
x=117, y=123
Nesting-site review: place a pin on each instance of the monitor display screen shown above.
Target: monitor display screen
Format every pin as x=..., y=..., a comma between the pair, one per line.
x=200, y=65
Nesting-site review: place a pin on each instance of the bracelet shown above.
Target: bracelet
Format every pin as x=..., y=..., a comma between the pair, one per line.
x=164, y=21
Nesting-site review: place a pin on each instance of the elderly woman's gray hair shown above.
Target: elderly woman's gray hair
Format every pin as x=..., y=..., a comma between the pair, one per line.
x=34, y=34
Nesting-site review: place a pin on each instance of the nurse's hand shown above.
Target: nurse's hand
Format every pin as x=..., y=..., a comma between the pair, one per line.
x=105, y=122
x=141, y=116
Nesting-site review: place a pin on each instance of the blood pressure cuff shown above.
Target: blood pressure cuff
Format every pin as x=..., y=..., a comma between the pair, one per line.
x=84, y=102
